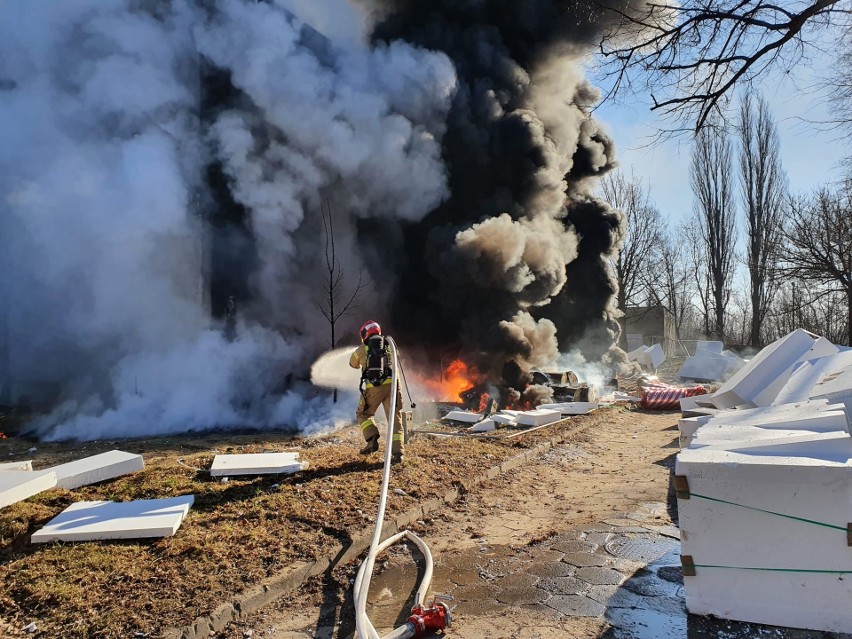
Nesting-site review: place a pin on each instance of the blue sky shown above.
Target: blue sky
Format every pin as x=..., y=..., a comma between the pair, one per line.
x=810, y=156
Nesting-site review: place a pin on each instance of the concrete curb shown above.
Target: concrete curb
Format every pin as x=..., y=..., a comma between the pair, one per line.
x=293, y=576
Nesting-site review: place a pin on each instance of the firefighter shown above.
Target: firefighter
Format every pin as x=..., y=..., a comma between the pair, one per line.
x=374, y=358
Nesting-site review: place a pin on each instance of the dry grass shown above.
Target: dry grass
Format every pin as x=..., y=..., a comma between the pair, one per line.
x=236, y=534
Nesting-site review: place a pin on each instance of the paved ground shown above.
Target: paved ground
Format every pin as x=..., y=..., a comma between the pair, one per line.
x=582, y=543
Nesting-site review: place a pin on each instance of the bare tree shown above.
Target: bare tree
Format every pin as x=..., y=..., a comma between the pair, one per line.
x=335, y=304
x=840, y=86
x=672, y=287
x=763, y=185
x=710, y=176
x=699, y=273
x=635, y=263
x=694, y=53
x=818, y=247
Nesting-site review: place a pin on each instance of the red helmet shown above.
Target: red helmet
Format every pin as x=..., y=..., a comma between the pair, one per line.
x=370, y=328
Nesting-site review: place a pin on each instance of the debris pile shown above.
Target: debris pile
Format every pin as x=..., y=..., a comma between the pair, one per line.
x=764, y=484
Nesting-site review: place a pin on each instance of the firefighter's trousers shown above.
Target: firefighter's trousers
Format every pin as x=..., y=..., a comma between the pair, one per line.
x=371, y=398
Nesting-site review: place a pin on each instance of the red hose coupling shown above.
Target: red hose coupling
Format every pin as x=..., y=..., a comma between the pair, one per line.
x=435, y=618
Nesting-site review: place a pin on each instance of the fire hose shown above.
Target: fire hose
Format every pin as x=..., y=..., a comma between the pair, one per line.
x=423, y=618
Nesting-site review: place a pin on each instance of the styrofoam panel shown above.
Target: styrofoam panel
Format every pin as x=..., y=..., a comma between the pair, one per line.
x=828, y=377
x=709, y=346
x=95, y=520
x=688, y=402
x=722, y=435
x=758, y=382
x=484, y=426
x=720, y=534
x=655, y=355
x=796, y=600
x=571, y=408
x=91, y=470
x=705, y=366
x=687, y=428
x=539, y=417
x=803, y=485
x=19, y=465
x=504, y=419
x=812, y=416
x=16, y=486
x=255, y=464
x=636, y=354
x=463, y=416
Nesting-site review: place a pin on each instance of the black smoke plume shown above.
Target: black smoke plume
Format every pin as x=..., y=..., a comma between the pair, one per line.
x=513, y=265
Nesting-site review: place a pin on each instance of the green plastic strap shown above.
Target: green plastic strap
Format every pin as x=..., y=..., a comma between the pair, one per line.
x=769, y=512
x=829, y=572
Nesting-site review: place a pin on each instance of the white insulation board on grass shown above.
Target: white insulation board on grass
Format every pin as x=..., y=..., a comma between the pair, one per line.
x=504, y=419
x=464, y=416
x=19, y=465
x=571, y=408
x=91, y=470
x=539, y=417
x=765, y=525
x=100, y=520
x=16, y=485
x=484, y=426
x=758, y=382
x=256, y=464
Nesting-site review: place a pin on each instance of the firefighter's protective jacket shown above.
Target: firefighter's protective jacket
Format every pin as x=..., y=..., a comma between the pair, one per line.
x=358, y=359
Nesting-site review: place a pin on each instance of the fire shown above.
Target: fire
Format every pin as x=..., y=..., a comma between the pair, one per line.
x=456, y=378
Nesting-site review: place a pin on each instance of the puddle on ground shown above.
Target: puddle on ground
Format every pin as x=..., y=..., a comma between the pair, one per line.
x=649, y=604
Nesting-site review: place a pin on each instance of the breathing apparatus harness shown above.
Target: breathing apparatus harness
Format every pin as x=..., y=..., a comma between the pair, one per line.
x=378, y=368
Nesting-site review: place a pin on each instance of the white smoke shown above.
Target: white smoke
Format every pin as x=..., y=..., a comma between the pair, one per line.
x=102, y=243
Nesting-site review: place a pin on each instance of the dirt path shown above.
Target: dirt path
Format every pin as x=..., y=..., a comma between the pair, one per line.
x=494, y=545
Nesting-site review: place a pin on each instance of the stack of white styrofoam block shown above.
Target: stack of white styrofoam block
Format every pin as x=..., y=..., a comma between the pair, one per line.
x=770, y=490
x=96, y=520
x=796, y=422
x=256, y=464
x=759, y=382
x=827, y=378
x=96, y=468
x=811, y=416
x=687, y=426
x=765, y=526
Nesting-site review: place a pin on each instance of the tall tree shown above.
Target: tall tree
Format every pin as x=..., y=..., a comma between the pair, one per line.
x=692, y=55
x=635, y=262
x=819, y=245
x=712, y=185
x=763, y=185
x=672, y=287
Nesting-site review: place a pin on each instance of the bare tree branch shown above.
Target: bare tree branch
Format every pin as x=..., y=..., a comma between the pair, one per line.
x=694, y=55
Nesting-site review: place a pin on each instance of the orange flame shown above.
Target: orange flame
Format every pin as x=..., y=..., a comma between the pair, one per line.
x=456, y=378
